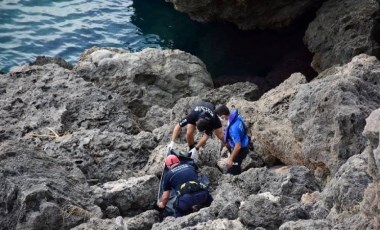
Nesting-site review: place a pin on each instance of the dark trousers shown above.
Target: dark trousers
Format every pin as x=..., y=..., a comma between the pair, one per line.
x=236, y=167
x=184, y=204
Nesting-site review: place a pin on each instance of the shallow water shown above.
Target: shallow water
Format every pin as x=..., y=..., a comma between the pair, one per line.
x=65, y=28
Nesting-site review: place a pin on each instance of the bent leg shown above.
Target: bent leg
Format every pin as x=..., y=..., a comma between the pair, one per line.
x=190, y=129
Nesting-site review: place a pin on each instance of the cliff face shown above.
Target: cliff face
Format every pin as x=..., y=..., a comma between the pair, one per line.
x=247, y=14
x=82, y=147
x=74, y=148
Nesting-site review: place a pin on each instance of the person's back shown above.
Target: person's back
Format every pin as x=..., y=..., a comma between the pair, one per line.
x=184, y=180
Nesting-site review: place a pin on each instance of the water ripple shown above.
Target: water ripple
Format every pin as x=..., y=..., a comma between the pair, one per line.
x=29, y=28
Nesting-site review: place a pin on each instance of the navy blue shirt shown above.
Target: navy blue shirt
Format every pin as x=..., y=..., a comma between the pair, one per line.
x=178, y=175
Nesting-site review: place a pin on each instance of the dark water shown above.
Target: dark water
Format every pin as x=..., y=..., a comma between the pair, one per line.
x=65, y=28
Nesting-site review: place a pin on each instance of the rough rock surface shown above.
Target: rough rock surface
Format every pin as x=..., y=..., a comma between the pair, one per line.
x=342, y=30
x=371, y=201
x=142, y=221
x=136, y=194
x=38, y=192
x=328, y=114
x=146, y=78
x=101, y=224
x=247, y=14
x=306, y=224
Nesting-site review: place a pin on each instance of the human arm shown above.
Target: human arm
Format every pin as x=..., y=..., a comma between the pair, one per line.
x=164, y=199
x=176, y=131
x=233, y=155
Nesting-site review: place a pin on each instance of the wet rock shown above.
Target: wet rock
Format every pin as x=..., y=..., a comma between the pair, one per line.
x=247, y=14
x=131, y=196
x=342, y=30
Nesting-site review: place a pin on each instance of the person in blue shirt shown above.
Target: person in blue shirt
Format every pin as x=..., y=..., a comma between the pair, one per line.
x=184, y=180
x=235, y=138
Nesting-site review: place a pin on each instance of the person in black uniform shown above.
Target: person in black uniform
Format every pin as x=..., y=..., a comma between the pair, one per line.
x=204, y=118
x=184, y=180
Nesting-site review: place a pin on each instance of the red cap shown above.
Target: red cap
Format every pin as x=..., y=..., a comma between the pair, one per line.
x=171, y=160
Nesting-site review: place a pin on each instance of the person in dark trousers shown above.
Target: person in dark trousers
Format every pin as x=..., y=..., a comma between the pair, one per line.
x=205, y=120
x=236, y=138
x=184, y=180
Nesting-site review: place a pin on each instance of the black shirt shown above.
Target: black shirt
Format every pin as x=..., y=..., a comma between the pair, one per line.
x=202, y=110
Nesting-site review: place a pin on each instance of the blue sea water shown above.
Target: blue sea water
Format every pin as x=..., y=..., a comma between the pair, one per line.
x=65, y=28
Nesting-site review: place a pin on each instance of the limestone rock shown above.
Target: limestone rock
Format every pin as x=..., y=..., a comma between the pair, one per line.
x=146, y=78
x=131, y=196
x=38, y=192
x=269, y=125
x=142, y=221
x=101, y=224
x=328, y=114
x=306, y=224
x=342, y=30
x=247, y=14
x=370, y=205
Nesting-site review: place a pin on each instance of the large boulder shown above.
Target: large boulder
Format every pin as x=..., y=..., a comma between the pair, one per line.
x=38, y=192
x=328, y=114
x=247, y=14
x=40, y=98
x=132, y=196
x=342, y=30
x=269, y=125
x=370, y=205
x=103, y=156
x=340, y=200
x=146, y=78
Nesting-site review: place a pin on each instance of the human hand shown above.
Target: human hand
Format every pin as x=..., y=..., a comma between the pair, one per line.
x=194, y=154
x=170, y=146
x=229, y=163
x=161, y=205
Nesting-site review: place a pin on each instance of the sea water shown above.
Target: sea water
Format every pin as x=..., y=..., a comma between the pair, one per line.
x=65, y=28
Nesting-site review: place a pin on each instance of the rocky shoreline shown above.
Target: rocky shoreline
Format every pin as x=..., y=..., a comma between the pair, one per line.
x=81, y=147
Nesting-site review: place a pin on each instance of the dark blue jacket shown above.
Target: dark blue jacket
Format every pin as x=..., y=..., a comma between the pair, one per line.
x=178, y=175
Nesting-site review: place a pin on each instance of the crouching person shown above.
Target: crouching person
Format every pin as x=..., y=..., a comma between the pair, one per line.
x=184, y=180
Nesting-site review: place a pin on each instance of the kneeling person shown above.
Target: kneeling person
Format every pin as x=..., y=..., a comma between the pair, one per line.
x=184, y=180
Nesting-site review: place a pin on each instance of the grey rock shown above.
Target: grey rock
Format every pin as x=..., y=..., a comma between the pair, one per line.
x=51, y=97
x=104, y=156
x=43, y=60
x=306, y=224
x=132, y=196
x=328, y=114
x=100, y=224
x=342, y=30
x=112, y=212
x=146, y=78
x=269, y=211
x=247, y=14
x=345, y=191
x=370, y=204
x=269, y=125
x=38, y=192
x=142, y=221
